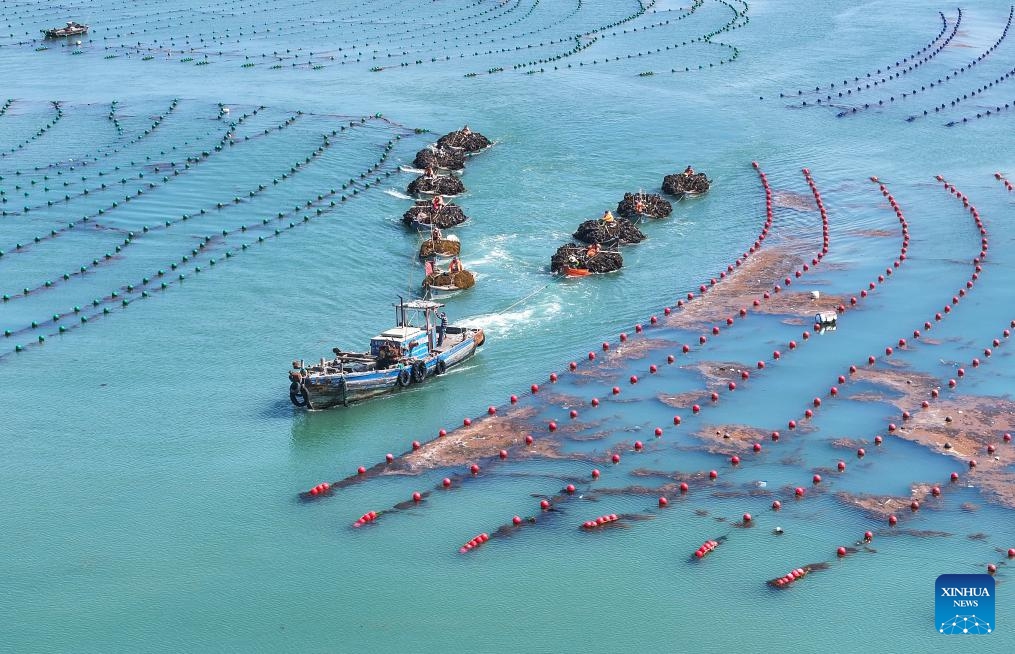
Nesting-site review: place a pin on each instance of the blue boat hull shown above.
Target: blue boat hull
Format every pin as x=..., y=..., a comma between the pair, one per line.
x=325, y=391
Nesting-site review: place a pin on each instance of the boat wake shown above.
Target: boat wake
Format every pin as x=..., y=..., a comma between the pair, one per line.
x=397, y=194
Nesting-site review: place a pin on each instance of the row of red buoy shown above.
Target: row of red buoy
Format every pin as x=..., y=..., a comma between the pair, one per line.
x=1004, y=180
x=789, y=578
x=366, y=518
x=705, y=549
x=320, y=489
x=474, y=543
x=600, y=521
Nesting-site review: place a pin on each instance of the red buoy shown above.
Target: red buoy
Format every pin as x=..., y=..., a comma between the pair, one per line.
x=544, y=505
x=528, y=439
x=553, y=378
x=534, y=388
x=683, y=487
x=868, y=536
x=361, y=470
x=389, y=457
x=676, y=420
x=416, y=496
x=757, y=447
x=595, y=474
x=503, y=454
x=573, y=365
x=514, y=399
x=712, y=474
x=491, y=410
x=653, y=369
x=841, y=551
x=638, y=446
x=516, y=520
x=791, y=424
x=776, y=505
x=747, y=518
x=816, y=479
x=892, y=520
x=446, y=483
x=695, y=408
x=658, y=432
x=735, y=460
x=860, y=453
x=914, y=505
x=615, y=458
x=552, y=426
x=570, y=489
x=573, y=414
x=799, y=492
x=474, y=469
x=663, y=501
x=595, y=402
x=633, y=379
x=841, y=465
x=415, y=445
x=991, y=568
x=775, y=435
x=955, y=476
x=616, y=390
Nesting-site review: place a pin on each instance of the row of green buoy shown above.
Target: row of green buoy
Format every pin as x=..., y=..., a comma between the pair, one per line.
x=161, y=274
x=39, y=133
x=196, y=160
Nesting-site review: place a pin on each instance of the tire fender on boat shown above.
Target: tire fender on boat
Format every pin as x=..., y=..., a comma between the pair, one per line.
x=441, y=367
x=418, y=371
x=404, y=377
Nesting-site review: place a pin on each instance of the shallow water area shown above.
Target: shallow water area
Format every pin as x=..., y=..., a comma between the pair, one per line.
x=218, y=191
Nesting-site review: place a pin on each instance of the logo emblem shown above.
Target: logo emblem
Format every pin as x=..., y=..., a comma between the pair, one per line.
x=964, y=604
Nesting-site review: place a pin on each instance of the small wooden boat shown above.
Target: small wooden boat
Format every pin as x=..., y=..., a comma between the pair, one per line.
x=420, y=345
x=72, y=29
x=440, y=281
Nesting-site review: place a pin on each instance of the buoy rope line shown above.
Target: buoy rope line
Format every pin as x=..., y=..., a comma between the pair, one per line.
x=366, y=180
x=68, y=197
x=190, y=161
x=915, y=63
x=950, y=76
x=89, y=159
x=739, y=19
x=113, y=118
x=328, y=487
x=57, y=115
x=981, y=114
x=131, y=236
x=906, y=415
x=1004, y=180
x=219, y=39
x=6, y=105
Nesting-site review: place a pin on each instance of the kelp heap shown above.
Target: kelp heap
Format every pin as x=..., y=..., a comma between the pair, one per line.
x=436, y=157
x=422, y=212
x=687, y=182
x=574, y=255
x=617, y=232
x=650, y=205
x=464, y=139
x=461, y=279
x=442, y=247
x=436, y=185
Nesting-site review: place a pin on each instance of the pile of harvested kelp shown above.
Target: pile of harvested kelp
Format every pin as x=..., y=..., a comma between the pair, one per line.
x=573, y=255
x=448, y=216
x=461, y=279
x=652, y=206
x=681, y=183
x=436, y=157
x=464, y=139
x=436, y=185
x=443, y=247
x=617, y=232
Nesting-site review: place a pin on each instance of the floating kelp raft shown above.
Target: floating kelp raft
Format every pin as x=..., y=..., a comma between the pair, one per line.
x=686, y=183
x=422, y=213
x=441, y=247
x=464, y=139
x=621, y=231
x=638, y=205
x=573, y=258
x=436, y=185
x=437, y=157
x=448, y=281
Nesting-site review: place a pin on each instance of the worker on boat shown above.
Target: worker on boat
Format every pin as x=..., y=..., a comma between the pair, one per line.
x=592, y=251
x=455, y=265
x=607, y=216
x=437, y=203
x=639, y=206
x=688, y=171
x=435, y=234
x=429, y=173
x=466, y=131
x=573, y=260
x=441, y=328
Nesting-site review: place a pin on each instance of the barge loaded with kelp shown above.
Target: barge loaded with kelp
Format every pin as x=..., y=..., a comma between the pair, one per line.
x=420, y=345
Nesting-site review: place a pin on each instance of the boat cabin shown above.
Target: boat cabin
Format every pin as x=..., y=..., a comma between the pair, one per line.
x=412, y=337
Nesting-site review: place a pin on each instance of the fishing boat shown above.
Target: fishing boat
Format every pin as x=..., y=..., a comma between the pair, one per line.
x=71, y=29
x=446, y=282
x=400, y=357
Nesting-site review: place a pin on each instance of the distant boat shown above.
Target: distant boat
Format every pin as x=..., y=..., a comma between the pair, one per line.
x=399, y=357
x=72, y=29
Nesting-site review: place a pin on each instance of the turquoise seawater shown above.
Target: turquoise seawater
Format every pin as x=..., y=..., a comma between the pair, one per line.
x=151, y=464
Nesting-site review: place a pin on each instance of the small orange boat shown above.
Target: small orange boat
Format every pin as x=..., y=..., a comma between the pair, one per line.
x=575, y=272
